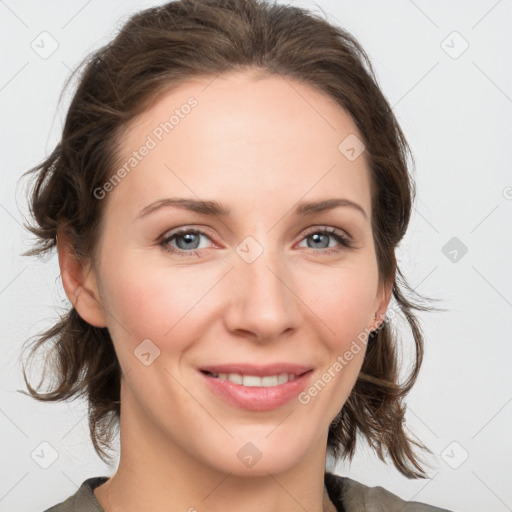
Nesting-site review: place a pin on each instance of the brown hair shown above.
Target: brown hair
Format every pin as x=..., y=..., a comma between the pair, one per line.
x=164, y=46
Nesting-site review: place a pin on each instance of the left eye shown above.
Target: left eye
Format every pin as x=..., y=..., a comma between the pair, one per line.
x=188, y=241
x=321, y=237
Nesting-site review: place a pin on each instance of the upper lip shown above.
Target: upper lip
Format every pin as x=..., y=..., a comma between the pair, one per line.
x=259, y=371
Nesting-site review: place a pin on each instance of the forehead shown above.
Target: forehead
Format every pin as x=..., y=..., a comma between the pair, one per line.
x=265, y=106
x=241, y=132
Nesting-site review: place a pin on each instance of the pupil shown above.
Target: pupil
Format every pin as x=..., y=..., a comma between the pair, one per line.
x=316, y=238
x=188, y=237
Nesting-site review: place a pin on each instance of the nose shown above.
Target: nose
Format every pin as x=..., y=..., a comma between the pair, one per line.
x=263, y=305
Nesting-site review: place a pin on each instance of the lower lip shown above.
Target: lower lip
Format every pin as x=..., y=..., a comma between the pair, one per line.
x=257, y=398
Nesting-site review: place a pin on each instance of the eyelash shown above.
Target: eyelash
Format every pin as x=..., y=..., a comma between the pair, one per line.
x=344, y=241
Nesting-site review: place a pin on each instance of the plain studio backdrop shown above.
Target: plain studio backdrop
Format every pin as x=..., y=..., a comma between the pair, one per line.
x=445, y=69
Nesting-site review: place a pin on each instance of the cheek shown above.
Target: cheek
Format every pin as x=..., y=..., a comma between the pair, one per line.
x=343, y=300
x=156, y=303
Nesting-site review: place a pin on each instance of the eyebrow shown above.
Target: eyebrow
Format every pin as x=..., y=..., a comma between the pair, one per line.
x=213, y=208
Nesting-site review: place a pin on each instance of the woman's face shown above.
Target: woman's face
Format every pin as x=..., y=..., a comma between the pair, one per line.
x=261, y=284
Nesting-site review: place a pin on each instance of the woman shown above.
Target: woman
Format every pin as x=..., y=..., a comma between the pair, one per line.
x=226, y=200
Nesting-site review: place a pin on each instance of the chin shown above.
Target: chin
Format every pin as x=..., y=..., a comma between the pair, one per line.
x=259, y=456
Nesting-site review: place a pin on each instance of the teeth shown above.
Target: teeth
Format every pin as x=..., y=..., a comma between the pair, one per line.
x=235, y=378
x=254, y=380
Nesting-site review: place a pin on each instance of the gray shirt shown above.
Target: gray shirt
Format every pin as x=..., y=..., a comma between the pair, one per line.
x=341, y=494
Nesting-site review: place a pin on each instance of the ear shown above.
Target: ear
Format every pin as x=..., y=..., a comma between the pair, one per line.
x=80, y=285
x=382, y=304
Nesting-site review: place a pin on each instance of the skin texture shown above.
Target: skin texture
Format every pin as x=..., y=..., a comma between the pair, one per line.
x=258, y=146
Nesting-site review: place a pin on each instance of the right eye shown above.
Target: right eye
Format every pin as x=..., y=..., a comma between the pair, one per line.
x=186, y=239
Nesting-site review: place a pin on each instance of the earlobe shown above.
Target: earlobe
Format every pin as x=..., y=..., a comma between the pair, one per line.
x=80, y=285
x=382, y=306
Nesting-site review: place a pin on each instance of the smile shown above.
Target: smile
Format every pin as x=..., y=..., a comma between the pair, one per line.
x=254, y=380
x=254, y=392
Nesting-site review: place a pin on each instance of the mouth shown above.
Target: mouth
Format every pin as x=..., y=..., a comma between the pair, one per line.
x=259, y=370
x=266, y=381
x=257, y=388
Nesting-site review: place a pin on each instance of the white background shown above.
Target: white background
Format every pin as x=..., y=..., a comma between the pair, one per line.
x=456, y=114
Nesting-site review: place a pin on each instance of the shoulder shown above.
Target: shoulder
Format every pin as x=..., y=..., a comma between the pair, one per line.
x=351, y=496
x=84, y=500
